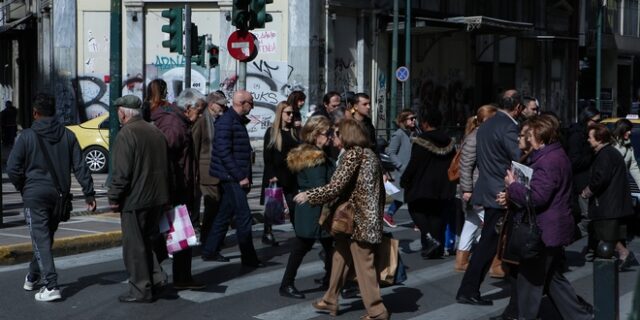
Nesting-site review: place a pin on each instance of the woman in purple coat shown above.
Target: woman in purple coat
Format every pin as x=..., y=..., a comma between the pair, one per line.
x=550, y=191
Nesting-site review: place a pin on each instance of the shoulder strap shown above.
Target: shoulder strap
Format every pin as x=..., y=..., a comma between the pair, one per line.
x=49, y=164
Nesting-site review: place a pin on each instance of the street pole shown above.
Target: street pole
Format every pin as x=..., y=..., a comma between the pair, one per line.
x=242, y=75
x=207, y=65
x=115, y=75
x=187, y=46
x=394, y=65
x=599, y=52
x=407, y=56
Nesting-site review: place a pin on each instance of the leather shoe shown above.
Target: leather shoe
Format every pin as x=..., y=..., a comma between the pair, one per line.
x=291, y=292
x=129, y=298
x=189, y=285
x=253, y=264
x=218, y=257
x=269, y=239
x=478, y=301
x=325, y=306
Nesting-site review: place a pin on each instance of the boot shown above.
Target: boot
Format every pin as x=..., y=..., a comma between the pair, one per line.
x=462, y=260
x=496, y=269
x=267, y=236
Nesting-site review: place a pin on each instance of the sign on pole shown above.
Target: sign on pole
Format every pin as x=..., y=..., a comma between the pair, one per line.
x=402, y=74
x=242, y=46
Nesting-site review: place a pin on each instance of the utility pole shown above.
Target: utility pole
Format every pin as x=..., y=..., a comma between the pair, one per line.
x=394, y=65
x=115, y=71
x=599, y=52
x=407, y=56
x=187, y=46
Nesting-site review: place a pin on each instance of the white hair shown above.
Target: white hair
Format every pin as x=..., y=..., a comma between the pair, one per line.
x=131, y=113
x=188, y=97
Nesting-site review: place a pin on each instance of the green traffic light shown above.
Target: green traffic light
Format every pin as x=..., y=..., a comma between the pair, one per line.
x=174, y=29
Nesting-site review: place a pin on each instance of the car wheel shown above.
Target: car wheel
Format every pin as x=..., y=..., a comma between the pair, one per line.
x=97, y=159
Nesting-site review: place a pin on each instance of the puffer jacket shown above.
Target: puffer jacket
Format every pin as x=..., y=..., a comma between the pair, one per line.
x=231, y=151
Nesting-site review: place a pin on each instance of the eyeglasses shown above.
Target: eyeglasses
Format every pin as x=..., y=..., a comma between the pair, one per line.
x=249, y=102
x=411, y=118
x=288, y=112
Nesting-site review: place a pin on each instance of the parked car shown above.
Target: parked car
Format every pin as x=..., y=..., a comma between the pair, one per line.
x=93, y=137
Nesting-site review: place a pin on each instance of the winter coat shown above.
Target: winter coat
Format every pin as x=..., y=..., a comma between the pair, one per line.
x=139, y=177
x=399, y=151
x=608, y=182
x=626, y=149
x=231, y=152
x=176, y=129
x=202, y=150
x=550, y=194
x=496, y=147
x=30, y=173
x=313, y=169
x=426, y=174
x=468, y=164
x=580, y=154
x=358, y=179
x=275, y=164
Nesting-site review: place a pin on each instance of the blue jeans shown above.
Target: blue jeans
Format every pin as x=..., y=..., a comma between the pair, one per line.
x=394, y=207
x=233, y=201
x=42, y=227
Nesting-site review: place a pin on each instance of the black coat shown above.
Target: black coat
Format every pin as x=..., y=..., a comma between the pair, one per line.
x=275, y=164
x=426, y=174
x=581, y=156
x=608, y=182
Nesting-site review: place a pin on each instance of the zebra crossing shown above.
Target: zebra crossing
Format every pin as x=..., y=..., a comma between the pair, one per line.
x=430, y=286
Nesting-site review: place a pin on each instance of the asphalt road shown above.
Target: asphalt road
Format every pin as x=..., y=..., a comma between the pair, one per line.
x=91, y=283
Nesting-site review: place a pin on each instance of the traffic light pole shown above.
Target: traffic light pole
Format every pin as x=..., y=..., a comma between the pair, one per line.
x=187, y=46
x=115, y=70
x=242, y=75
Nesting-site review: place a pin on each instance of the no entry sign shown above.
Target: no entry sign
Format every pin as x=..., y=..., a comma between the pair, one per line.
x=242, y=45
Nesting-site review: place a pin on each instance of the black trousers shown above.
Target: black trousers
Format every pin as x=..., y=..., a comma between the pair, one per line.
x=429, y=216
x=483, y=254
x=211, y=196
x=139, y=234
x=299, y=248
x=546, y=270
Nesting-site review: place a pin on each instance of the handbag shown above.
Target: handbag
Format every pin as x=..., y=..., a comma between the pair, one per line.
x=525, y=237
x=342, y=220
x=275, y=205
x=387, y=259
x=453, y=173
x=179, y=233
x=63, y=207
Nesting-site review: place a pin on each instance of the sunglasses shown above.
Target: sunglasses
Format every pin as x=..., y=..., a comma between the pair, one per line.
x=411, y=118
x=287, y=112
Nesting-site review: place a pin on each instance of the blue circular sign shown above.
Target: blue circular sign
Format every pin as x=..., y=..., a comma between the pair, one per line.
x=402, y=74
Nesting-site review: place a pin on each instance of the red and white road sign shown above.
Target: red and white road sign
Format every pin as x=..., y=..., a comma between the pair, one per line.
x=242, y=45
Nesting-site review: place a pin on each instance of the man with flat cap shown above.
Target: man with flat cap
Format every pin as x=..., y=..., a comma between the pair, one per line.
x=139, y=190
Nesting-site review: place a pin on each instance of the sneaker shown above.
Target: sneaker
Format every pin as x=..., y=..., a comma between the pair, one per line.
x=29, y=283
x=48, y=294
x=430, y=245
x=388, y=220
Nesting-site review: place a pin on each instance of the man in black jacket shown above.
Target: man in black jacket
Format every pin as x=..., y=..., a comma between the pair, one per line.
x=31, y=174
x=139, y=190
x=497, y=146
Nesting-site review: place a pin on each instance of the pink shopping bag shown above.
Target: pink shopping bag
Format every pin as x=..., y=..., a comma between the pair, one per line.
x=176, y=224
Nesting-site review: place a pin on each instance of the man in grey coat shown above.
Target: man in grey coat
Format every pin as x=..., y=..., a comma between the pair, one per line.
x=139, y=190
x=30, y=173
x=497, y=146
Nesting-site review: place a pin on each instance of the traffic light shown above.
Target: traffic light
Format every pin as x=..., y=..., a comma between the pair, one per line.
x=199, y=48
x=259, y=15
x=174, y=29
x=213, y=55
x=240, y=14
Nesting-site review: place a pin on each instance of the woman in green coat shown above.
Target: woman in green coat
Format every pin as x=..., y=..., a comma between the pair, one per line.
x=313, y=169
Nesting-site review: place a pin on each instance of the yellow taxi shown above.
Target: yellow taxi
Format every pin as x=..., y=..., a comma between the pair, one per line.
x=93, y=137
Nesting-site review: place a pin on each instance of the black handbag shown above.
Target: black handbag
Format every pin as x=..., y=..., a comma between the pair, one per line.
x=525, y=237
x=62, y=210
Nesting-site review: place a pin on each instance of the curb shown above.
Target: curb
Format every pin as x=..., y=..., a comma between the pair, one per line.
x=23, y=252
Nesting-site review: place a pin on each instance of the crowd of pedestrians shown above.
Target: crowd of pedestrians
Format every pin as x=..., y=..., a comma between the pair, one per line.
x=168, y=154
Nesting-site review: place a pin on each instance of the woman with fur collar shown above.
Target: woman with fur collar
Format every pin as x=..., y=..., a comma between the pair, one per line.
x=313, y=169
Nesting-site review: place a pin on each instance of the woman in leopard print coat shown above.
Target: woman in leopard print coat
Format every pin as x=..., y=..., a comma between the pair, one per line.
x=358, y=179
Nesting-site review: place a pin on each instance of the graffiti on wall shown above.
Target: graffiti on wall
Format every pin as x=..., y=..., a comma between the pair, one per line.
x=345, y=78
x=269, y=83
x=381, y=98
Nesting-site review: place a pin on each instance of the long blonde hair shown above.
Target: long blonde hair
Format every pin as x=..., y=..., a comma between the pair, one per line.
x=276, y=136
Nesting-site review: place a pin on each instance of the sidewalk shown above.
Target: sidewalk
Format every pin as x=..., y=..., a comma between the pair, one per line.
x=85, y=231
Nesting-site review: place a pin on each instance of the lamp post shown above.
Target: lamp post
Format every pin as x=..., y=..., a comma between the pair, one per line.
x=601, y=7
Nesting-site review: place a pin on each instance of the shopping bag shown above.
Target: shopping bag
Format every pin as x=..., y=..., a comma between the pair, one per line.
x=176, y=225
x=275, y=206
x=386, y=259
